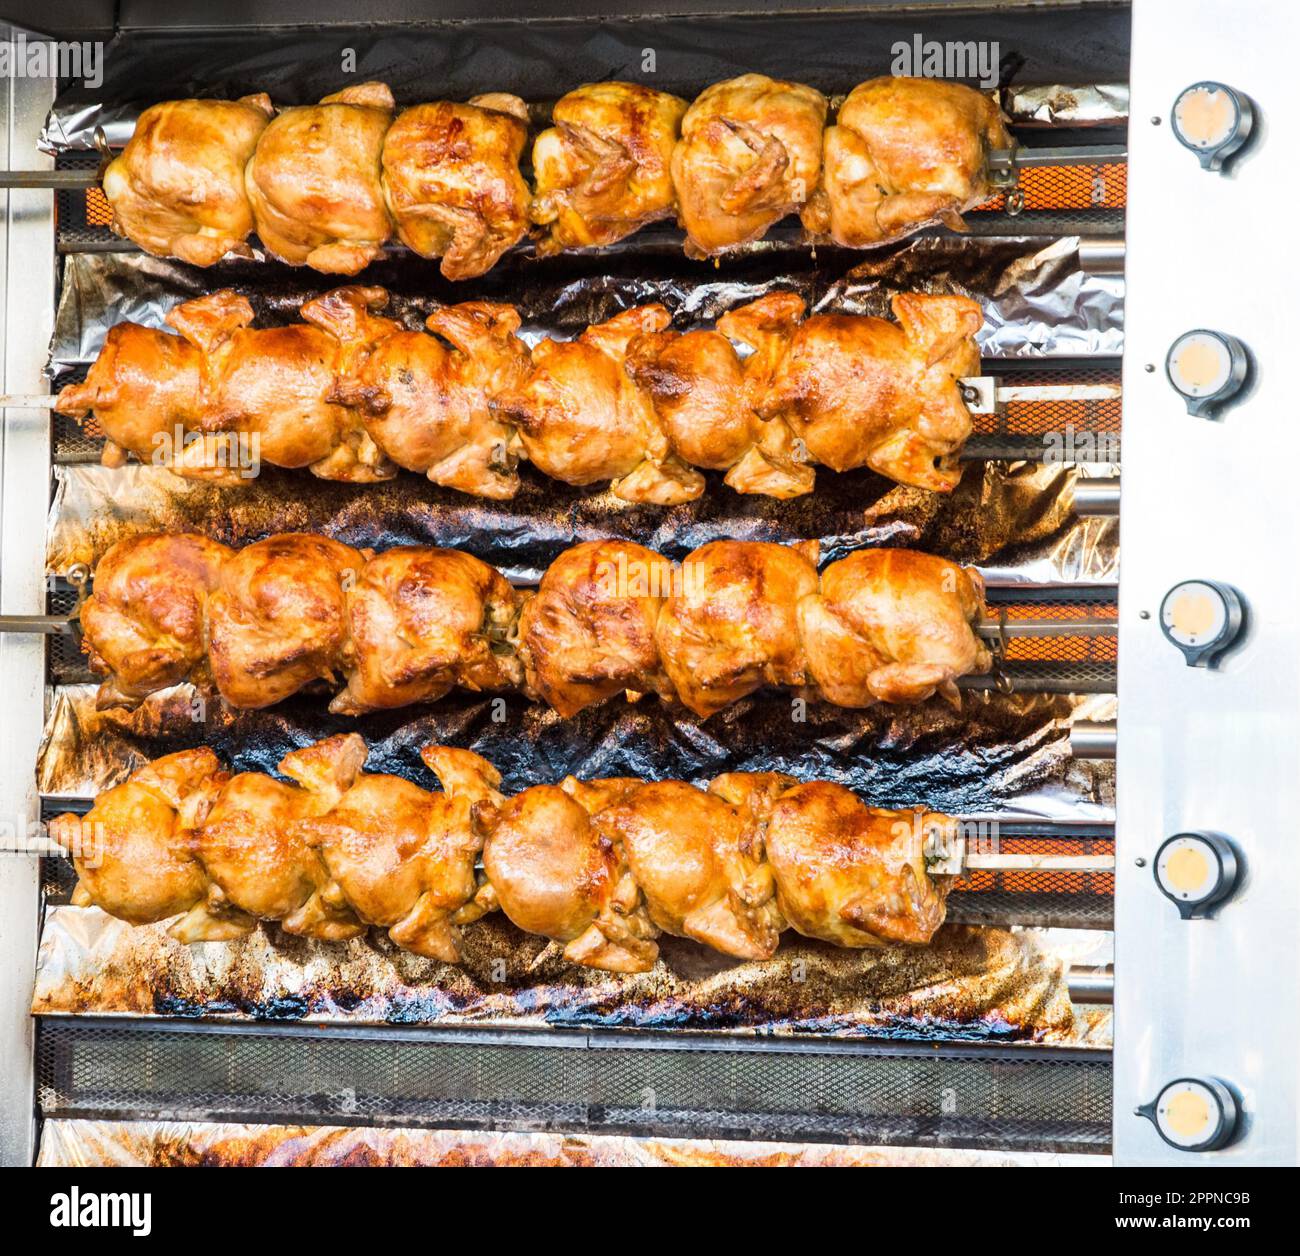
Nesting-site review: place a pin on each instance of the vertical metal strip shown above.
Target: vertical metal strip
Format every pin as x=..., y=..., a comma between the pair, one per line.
x=27, y=311
x=1204, y=749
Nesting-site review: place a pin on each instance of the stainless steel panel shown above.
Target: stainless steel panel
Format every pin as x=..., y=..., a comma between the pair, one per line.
x=26, y=312
x=1203, y=749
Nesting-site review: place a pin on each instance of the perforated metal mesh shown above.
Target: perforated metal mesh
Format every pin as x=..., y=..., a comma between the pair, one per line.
x=1069, y=187
x=931, y=1096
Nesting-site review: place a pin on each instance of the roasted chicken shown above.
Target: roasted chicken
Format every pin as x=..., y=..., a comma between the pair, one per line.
x=146, y=624
x=602, y=169
x=581, y=418
x=424, y=400
x=325, y=184
x=750, y=154
x=452, y=182
x=177, y=189
x=407, y=625
x=314, y=181
x=865, y=392
x=353, y=395
x=904, y=153
x=599, y=867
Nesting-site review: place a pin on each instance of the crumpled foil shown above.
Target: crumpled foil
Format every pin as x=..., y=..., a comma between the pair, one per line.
x=84, y=1144
x=1092, y=104
x=1038, y=300
x=1004, y=754
x=968, y=983
x=1014, y=521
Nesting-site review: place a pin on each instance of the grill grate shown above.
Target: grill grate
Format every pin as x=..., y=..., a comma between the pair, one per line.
x=1028, y=1098
x=1103, y=187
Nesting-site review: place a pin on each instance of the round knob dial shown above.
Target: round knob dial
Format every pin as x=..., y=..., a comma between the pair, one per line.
x=1195, y=871
x=1193, y=1113
x=1213, y=120
x=1202, y=618
x=1207, y=369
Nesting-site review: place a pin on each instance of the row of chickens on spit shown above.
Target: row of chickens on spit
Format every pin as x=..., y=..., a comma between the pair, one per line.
x=354, y=395
x=599, y=867
x=327, y=185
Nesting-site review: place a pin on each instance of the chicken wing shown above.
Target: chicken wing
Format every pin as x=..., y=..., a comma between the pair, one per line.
x=854, y=875
x=750, y=153
x=133, y=849
x=602, y=170
x=865, y=392
x=589, y=632
x=893, y=626
x=177, y=188
x=145, y=625
x=425, y=621
x=904, y=153
x=699, y=866
x=734, y=626
x=552, y=873
x=425, y=403
x=582, y=420
x=402, y=858
x=279, y=619
x=314, y=181
x=452, y=182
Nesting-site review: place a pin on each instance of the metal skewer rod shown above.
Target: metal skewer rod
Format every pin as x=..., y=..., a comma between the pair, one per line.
x=1084, y=627
x=58, y=180
x=1091, y=985
x=1020, y=157
x=997, y=862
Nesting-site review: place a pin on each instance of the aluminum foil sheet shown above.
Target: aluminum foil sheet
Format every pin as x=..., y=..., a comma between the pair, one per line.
x=1014, y=521
x=1000, y=754
x=1038, y=300
x=538, y=59
x=84, y=1144
x=968, y=983
x=1093, y=104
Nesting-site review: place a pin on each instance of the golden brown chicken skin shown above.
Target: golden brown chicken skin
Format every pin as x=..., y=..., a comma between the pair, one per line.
x=581, y=419
x=279, y=619
x=277, y=386
x=734, y=626
x=259, y=868
x=425, y=400
x=554, y=874
x=750, y=153
x=402, y=858
x=424, y=621
x=314, y=181
x=145, y=624
x=866, y=392
x=177, y=188
x=146, y=389
x=854, y=875
x=893, y=626
x=904, y=153
x=698, y=387
x=452, y=182
x=699, y=866
x=133, y=850
x=589, y=632
x=602, y=169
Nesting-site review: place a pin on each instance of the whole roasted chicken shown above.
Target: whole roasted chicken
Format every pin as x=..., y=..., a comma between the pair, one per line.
x=177, y=188
x=314, y=181
x=904, y=153
x=602, y=169
x=750, y=154
x=452, y=182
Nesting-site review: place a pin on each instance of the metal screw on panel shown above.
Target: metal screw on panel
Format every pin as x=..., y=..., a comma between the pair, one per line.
x=1144, y=614
x=1150, y=368
x=1156, y=120
x=1140, y=862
